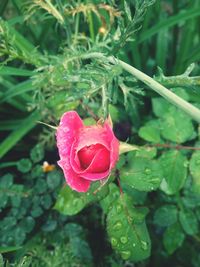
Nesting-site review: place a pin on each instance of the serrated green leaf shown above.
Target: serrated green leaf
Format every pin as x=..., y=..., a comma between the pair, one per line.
x=53, y=179
x=195, y=171
x=127, y=230
x=150, y=131
x=70, y=202
x=24, y=165
x=188, y=221
x=27, y=224
x=173, y=238
x=6, y=181
x=165, y=215
x=142, y=174
x=176, y=126
x=37, y=153
x=174, y=166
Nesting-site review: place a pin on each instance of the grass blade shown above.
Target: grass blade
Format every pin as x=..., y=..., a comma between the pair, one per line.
x=17, y=134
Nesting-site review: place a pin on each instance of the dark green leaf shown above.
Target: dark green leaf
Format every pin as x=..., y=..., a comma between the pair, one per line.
x=53, y=179
x=24, y=165
x=188, y=221
x=165, y=215
x=173, y=238
x=37, y=153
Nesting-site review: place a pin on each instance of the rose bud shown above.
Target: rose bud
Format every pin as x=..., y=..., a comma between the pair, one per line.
x=87, y=153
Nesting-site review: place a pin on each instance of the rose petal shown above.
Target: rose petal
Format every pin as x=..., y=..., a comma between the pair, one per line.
x=73, y=180
x=92, y=135
x=70, y=124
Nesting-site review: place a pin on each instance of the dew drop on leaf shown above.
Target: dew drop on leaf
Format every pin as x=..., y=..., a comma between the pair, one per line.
x=125, y=254
x=117, y=226
x=124, y=239
x=147, y=171
x=119, y=208
x=144, y=245
x=114, y=242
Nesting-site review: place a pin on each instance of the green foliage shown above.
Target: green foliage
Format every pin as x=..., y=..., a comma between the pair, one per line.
x=173, y=238
x=70, y=202
x=127, y=230
x=165, y=215
x=55, y=58
x=174, y=165
x=25, y=202
x=142, y=174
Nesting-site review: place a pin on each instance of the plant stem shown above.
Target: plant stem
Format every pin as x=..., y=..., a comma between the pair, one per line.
x=160, y=89
x=191, y=110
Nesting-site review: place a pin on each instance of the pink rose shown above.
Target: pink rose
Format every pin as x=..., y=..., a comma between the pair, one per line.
x=87, y=153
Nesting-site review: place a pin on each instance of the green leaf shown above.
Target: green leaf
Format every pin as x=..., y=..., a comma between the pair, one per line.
x=160, y=106
x=195, y=171
x=176, y=126
x=127, y=230
x=109, y=200
x=6, y=181
x=17, y=89
x=9, y=249
x=1, y=259
x=53, y=179
x=174, y=166
x=173, y=238
x=5, y=70
x=169, y=22
x=150, y=132
x=142, y=174
x=37, y=153
x=70, y=202
x=146, y=152
x=27, y=224
x=24, y=165
x=165, y=215
x=188, y=221
x=17, y=134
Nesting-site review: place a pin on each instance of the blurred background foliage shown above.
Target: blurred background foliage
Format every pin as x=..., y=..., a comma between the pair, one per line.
x=46, y=68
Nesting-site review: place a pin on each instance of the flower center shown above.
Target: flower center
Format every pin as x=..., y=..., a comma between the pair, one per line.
x=97, y=152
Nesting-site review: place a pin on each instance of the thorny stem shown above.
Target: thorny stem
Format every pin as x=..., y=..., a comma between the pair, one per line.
x=191, y=110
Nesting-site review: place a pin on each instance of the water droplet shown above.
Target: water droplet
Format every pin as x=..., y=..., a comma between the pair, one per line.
x=147, y=171
x=114, y=241
x=119, y=208
x=124, y=239
x=197, y=162
x=144, y=245
x=125, y=254
x=117, y=226
x=185, y=164
x=65, y=129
